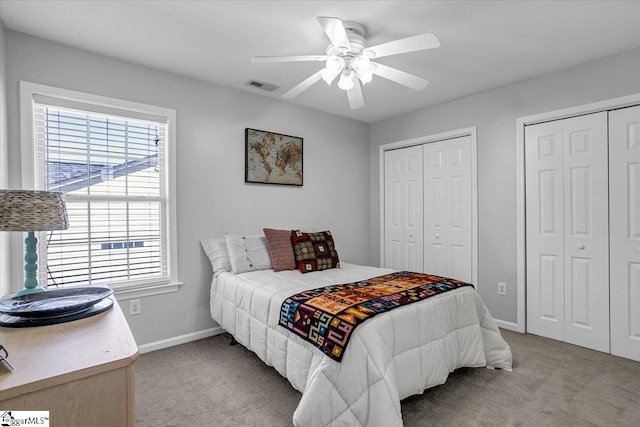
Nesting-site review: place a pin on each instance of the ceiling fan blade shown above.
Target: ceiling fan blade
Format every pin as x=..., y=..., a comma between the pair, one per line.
x=334, y=28
x=410, y=44
x=355, y=95
x=395, y=75
x=306, y=84
x=261, y=59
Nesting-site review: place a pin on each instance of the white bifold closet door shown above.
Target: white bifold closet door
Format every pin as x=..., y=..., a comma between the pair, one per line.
x=403, y=209
x=624, y=152
x=447, y=208
x=567, y=230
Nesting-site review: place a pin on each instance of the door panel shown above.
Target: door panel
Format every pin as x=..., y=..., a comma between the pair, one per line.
x=433, y=237
x=549, y=185
x=545, y=229
x=633, y=185
x=435, y=261
x=634, y=303
x=456, y=194
x=437, y=187
x=624, y=170
x=435, y=210
x=448, y=208
x=456, y=261
x=393, y=209
x=396, y=253
x=580, y=219
x=567, y=229
x=459, y=199
x=552, y=290
x=403, y=209
x=586, y=219
x=580, y=296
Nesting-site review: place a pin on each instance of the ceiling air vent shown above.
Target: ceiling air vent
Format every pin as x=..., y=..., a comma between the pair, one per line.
x=261, y=85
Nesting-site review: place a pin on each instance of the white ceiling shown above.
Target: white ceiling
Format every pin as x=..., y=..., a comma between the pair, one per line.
x=484, y=44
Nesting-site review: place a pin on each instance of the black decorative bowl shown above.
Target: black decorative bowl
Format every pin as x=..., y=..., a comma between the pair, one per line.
x=57, y=302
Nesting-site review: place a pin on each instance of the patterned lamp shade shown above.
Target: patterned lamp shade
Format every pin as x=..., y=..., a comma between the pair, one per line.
x=22, y=210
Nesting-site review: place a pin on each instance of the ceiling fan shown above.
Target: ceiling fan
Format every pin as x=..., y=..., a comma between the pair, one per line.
x=349, y=57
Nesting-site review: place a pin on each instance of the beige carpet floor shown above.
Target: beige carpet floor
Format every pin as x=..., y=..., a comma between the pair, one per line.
x=209, y=383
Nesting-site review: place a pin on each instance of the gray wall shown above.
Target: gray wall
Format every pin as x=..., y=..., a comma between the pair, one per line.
x=495, y=113
x=211, y=194
x=4, y=162
x=341, y=162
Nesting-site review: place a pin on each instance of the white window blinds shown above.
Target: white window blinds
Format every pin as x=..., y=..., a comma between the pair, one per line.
x=111, y=168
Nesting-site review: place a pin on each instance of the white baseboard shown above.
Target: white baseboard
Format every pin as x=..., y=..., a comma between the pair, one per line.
x=507, y=325
x=194, y=336
x=182, y=339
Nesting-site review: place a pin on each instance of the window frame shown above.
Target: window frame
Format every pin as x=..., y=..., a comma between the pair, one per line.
x=28, y=90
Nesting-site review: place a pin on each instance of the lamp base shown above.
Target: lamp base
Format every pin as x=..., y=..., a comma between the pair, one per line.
x=26, y=291
x=31, y=285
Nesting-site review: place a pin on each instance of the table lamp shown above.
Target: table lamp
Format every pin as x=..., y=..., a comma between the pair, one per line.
x=30, y=211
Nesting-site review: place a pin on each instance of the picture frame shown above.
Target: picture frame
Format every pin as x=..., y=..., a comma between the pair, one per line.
x=272, y=158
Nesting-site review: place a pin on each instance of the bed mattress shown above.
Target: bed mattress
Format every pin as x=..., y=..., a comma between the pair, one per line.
x=389, y=357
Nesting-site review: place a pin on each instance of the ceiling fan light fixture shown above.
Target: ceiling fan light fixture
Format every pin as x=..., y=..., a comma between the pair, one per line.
x=349, y=57
x=329, y=75
x=346, y=79
x=365, y=77
x=363, y=67
x=335, y=63
x=333, y=67
x=361, y=64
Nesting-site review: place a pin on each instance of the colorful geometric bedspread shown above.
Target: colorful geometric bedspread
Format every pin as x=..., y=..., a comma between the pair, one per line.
x=327, y=316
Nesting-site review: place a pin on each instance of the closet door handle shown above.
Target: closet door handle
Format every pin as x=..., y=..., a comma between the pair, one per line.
x=581, y=247
x=437, y=236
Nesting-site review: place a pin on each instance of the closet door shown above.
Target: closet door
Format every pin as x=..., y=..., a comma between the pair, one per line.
x=545, y=229
x=624, y=170
x=403, y=209
x=448, y=208
x=586, y=231
x=567, y=230
x=459, y=210
x=435, y=209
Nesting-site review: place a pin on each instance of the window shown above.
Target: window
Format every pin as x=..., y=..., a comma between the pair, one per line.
x=112, y=165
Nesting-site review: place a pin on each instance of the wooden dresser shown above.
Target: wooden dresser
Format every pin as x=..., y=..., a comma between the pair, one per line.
x=80, y=371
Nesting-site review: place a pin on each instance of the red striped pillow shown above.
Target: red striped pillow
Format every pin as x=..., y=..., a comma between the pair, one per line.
x=279, y=242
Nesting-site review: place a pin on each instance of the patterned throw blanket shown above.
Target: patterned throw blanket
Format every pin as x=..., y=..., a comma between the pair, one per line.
x=327, y=316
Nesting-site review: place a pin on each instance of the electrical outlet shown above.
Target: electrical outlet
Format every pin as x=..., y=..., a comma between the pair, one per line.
x=502, y=288
x=134, y=307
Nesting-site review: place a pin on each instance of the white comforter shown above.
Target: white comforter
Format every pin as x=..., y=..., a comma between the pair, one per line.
x=388, y=358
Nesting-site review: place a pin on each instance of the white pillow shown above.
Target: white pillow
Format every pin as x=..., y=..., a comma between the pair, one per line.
x=248, y=253
x=216, y=250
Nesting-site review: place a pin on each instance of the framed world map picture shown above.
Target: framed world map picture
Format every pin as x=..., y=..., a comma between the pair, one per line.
x=272, y=158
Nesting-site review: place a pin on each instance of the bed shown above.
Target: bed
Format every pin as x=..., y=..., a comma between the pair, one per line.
x=389, y=357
